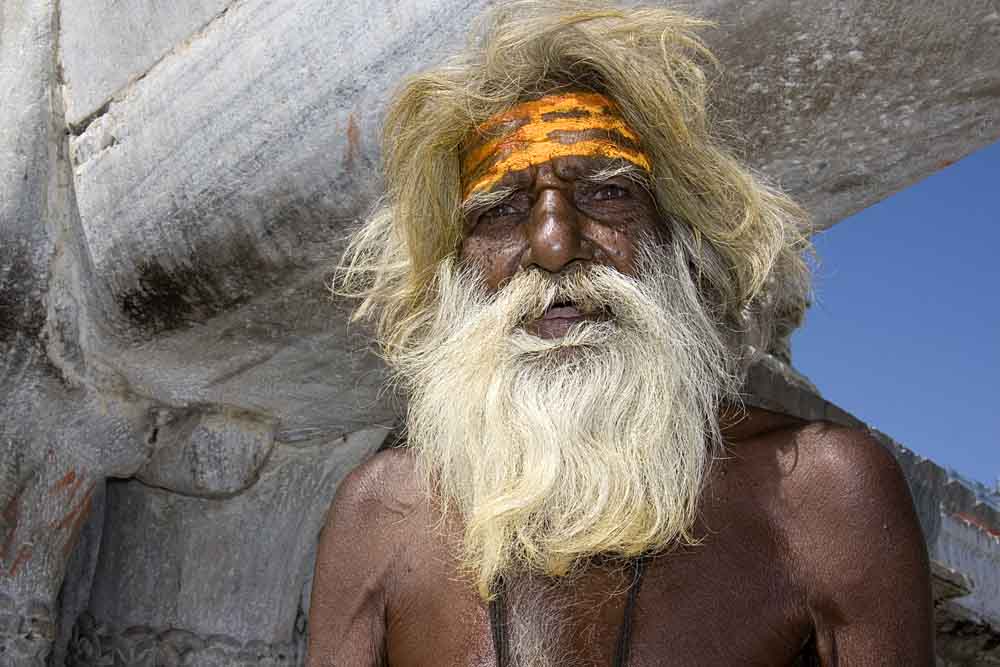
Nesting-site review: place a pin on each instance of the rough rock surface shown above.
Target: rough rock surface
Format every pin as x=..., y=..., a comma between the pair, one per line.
x=176, y=180
x=844, y=103
x=133, y=35
x=59, y=437
x=157, y=571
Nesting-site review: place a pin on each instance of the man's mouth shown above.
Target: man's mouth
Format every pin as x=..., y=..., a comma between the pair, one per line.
x=557, y=320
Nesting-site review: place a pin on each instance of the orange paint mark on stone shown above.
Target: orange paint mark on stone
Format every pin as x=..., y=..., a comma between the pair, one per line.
x=945, y=163
x=81, y=514
x=74, y=516
x=66, y=480
x=353, y=140
x=9, y=516
x=75, y=487
x=969, y=519
x=23, y=554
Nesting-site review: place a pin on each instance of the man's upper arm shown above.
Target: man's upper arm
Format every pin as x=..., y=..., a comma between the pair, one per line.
x=864, y=559
x=356, y=548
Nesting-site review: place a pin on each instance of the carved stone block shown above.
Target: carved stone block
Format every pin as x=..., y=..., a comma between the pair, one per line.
x=209, y=454
x=26, y=633
x=94, y=644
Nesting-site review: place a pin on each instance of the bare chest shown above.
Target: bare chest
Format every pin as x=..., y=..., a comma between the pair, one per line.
x=737, y=598
x=701, y=606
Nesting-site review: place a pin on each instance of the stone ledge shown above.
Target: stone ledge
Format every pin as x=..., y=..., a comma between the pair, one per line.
x=95, y=644
x=26, y=633
x=962, y=642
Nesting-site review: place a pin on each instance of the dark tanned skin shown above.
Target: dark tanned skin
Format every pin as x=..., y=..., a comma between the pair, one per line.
x=807, y=530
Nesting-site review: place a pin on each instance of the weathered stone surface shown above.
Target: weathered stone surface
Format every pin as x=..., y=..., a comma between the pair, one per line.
x=74, y=597
x=26, y=631
x=963, y=642
x=57, y=439
x=105, y=44
x=227, y=208
x=948, y=583
x=288, y=354
x=209, y=454
x=232, y=567
x=973, y=550
x=96, y=644
x=961, y=524
x=25, y=243
x=844, y=103
x=774, y=385
x=254, y=253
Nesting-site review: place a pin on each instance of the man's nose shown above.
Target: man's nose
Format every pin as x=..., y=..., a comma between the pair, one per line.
x=554, y=233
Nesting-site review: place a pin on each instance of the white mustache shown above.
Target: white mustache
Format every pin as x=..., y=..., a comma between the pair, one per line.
x=594, y=289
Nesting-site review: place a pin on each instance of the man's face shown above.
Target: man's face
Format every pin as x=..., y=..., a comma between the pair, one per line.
x=550, y=460
x=556, y=217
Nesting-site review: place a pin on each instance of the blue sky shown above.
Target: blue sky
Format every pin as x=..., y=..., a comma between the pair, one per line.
x=904, y=332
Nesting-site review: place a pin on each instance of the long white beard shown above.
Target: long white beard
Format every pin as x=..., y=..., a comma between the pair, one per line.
x=556, y=450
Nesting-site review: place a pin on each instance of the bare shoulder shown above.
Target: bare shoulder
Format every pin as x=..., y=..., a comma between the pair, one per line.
x=384, y=484
x=823, y=482
x=366, y=529
x=840, y=469
x=371, y=505
x=857, y=546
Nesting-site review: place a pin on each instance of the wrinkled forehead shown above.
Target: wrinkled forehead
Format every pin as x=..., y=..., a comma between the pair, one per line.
x=580, y=124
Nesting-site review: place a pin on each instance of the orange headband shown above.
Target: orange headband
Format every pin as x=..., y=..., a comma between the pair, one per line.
x=531, y=133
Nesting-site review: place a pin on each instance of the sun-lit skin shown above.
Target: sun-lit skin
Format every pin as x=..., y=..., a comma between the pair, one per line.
x=555, y=219
x=795, y=530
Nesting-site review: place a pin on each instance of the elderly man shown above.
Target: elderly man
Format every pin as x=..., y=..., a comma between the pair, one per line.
x=569, y=277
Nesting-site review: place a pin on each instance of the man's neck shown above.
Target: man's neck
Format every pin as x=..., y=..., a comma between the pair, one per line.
x=744, y=422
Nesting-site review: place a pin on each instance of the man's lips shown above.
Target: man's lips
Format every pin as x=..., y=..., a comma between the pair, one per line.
x=562, y=312
x=557, y=320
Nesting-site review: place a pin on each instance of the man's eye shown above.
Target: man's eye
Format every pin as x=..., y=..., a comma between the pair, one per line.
x=607, y=192
x=498, y=211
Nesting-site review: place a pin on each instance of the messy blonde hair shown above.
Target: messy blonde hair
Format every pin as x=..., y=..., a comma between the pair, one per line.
x=651, y=63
